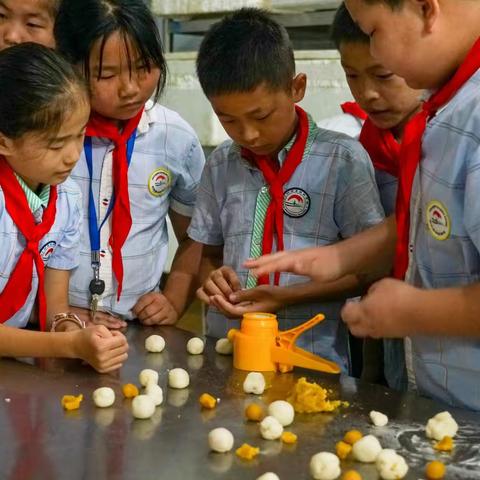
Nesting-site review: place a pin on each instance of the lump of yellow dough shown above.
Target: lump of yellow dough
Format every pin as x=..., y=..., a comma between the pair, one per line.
x=143, y=406
x=343, y=449
x=325, y=466
x=220, y=440
x=311, y=398
x=224, y=346
x=254, y=412
x=435, y=470
x=254, y=383
x=445, y=444
x=155, y=343
x=71, y=402
x=282, y=411
x=351, y=475
x=378, y=419
x=207, y=401
x=367, y=449
x=268, y=476
x=103, y=397
x=441, y=425
x=352, y=436
x=391, y=465
x=130, y=390
x=271, y=428
x=147, y=376
x=195, y=346
x=289, y=438
x=247, y=452
x=178, y=378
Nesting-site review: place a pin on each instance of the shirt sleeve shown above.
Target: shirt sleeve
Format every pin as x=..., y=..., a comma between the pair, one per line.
x=67, y=251
x=184, y=193
x=206, y=226
x=357, y=203
x=471, y=203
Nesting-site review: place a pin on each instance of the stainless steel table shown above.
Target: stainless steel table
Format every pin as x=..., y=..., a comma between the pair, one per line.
x=38, y=440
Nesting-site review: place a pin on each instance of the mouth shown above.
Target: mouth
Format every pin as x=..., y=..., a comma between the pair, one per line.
x=131, y=105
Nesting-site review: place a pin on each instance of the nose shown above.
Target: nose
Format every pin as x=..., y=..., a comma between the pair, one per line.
x=369, y=91
x=12, y=34
x=72, y=154
x=129, y=86
x=250, y=134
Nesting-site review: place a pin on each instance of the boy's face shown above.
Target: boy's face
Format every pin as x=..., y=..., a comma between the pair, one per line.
x=403, y=39
x=384, y=96
x=262, y=120
x=26, y=21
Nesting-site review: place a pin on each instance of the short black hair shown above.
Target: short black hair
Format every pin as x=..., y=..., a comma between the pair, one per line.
x=244, y=50
x=80, y=23
x=53, y=6
x=345, y=30
x=39, y=90
x=393, y=4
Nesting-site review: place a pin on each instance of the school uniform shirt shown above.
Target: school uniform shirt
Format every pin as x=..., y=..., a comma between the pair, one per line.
x=164, y=173
x=58, y=248
x=332, y=195
x=445, y=242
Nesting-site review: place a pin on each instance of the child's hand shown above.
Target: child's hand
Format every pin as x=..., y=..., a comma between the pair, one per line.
x=104, y=350
x=223, y=281
x=386, y=311
x=264, y=298
x=320, y=263
x=101, y=318
x=154, y=308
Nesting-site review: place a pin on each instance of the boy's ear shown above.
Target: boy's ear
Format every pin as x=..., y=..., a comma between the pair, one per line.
x=6, y=145
x=430, y=10
x=299, y=86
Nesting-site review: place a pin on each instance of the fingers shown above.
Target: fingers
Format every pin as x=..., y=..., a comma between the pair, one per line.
x=157, y=311
x=357, y=319
x=108, y=320
x=232, y=278
x=225, y=307
x=143, y=302
x=246, y=295
x=277, y=262
x=203, y=296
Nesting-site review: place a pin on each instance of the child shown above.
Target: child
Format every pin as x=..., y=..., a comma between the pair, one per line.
x=157, y=162
x=437, y=216
x=280, y=183
x=27, y=21
x=43, y=112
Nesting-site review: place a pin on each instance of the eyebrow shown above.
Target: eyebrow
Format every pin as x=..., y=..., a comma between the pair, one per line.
x=40, y=14
x=250, y=112
x=66, y=137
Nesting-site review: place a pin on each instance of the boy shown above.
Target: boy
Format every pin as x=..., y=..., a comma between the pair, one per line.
x=281, y=182
x=438, y=213
x=27, y=21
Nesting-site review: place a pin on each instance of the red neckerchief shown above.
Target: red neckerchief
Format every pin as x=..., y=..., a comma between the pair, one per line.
x=19, y=285
x=380, y=143
x=411, y=152
x=121, y=216
x=275, y=179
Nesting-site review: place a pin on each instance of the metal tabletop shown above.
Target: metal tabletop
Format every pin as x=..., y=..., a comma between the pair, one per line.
x=38, y=440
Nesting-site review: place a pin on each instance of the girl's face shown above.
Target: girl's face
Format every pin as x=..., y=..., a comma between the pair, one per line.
x=26, y=21
x=40, y=158
x=119, y=89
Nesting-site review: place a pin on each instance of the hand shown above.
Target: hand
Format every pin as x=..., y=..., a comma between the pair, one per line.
x=386, y=311
x=103, y=349
x=101, y=318
x=264, y=298
x=319, y=263
x=154, y=308
x=223, y=281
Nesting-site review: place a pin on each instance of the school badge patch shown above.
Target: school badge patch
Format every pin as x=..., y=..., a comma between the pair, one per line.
x=47, y=250
x=438, y=220
x=296, y=202
x=159, y=181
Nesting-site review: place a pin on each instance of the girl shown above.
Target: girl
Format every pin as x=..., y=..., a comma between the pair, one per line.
x=140, y=161
x=43, y=112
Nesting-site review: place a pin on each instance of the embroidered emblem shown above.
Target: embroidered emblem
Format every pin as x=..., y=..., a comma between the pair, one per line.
x=159, y=181
x=438, y=220
x=296, y=202
x=47, y=250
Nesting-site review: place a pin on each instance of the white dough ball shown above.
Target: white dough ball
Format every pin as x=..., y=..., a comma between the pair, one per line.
x=178, y=378
x=254, y=383
x=325, y=466
x=271, y=428
x=148, y=376
x=441, y=425
x=378, y=419
x=143, y=406
x=220, y=440
x=195, y=346
x=155, y=392
x=268, y=476
x=390, y=465
x=367, y=449
x=103, y=397
x=282, y=411
x=224, y=346
x=155, y=343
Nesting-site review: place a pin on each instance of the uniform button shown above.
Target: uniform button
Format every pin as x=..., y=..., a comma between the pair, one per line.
x=410, y=248
x=264, y=189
